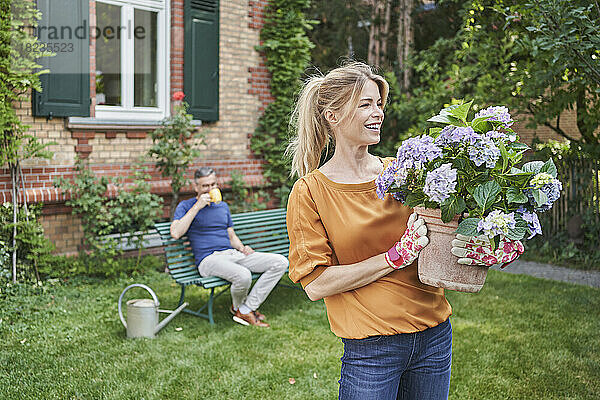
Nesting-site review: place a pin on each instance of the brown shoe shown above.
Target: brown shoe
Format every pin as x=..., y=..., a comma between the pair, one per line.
x=259, y=316
x=248, y=319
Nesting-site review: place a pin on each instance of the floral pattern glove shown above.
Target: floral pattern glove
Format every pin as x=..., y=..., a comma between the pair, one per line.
x=477, y=250
x=405, y=252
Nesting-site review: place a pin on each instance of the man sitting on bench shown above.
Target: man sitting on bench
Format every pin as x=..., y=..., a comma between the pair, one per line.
x=219, y=252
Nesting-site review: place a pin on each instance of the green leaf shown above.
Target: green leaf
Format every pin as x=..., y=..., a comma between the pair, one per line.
x=468, y=227
x=517, y=176
x=430, y=204
x=446, y=118
x=480, y=124
x=533, y=166
x=519, y=231
x=504, y=154
x=518, y=147
x=485, y=195
x=539, y=197
x=460, y=111
x=461, y=164
x=495, y=242
x=441, y=119
x=549, y=168
x=515, y=195
x=414, y=199
x=434, y=132
x=451, y=206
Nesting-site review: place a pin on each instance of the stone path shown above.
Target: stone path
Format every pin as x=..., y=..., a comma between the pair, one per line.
x=548, y=271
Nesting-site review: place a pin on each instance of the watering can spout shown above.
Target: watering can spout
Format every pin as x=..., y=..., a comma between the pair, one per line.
x=169, y=318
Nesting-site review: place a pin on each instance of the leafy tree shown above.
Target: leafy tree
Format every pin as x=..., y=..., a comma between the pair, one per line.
x=538, y=57
x=562, y=71
x=417, y=83
x=19, y=74
x=342, y=31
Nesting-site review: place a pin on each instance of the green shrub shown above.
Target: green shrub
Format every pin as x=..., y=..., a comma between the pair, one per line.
x=243, y=198
x=577, y=167
x=132, y=211
x=560, y=249
x=33, y=248
x=286, y=48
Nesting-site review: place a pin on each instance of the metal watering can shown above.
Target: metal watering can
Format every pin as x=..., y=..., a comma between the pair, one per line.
x=142, y=314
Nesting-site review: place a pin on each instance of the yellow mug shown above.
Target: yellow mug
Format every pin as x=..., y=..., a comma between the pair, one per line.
x=215, y=195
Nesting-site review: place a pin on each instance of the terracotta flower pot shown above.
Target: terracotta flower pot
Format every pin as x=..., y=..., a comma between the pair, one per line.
x=437, y=266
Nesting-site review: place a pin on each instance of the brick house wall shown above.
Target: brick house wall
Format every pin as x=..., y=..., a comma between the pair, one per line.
x=244, y=92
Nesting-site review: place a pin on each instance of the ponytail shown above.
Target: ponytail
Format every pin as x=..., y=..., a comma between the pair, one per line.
x=312, y=130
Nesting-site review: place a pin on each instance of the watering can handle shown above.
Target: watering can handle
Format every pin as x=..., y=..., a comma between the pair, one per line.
x=126, y=289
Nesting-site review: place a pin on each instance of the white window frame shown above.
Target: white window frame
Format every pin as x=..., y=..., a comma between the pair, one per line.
x=127, y=111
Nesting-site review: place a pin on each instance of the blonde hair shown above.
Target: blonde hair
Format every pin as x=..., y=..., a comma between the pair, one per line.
x=338, y=91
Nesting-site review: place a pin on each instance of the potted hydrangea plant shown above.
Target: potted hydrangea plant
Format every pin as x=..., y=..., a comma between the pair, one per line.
x=466, y=178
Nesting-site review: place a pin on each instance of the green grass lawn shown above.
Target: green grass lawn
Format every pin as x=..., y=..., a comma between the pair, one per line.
x=519, y=338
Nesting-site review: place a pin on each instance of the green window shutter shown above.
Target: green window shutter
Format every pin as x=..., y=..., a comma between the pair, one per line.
x=66, y=89
x=201, y=58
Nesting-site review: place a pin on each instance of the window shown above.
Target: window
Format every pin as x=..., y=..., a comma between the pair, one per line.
x=131, y=59
x=132, y=40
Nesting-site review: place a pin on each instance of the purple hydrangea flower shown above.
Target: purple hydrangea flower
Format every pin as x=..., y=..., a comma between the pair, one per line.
x=497, y=135
x=550, y=186
x=484, y=151
x=400, y=196
x=499, y=113
x=415, y=152
x=385, y=180
x=454, y=135
x=533, y=222
x=440, y=182
x=496, y=223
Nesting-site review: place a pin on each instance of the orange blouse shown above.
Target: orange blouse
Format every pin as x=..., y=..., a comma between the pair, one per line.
x=331, y=223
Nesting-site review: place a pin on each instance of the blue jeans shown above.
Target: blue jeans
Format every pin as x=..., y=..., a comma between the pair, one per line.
x=404, y=366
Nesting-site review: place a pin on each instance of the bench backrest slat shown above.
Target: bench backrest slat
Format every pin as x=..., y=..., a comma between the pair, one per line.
x=271, y=242
x=260, y=213
x=264, y=233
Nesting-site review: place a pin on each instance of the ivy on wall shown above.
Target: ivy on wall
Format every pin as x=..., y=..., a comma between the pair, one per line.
x=287, y=51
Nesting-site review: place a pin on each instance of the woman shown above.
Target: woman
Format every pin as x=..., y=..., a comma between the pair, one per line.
x=357, y=251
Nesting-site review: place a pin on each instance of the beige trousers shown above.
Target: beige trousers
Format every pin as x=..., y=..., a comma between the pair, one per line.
x=237, y=268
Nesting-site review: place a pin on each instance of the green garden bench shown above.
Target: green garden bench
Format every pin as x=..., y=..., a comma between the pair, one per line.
x=262, y=230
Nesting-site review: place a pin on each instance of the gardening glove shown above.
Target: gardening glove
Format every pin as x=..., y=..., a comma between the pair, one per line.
x=477, y=250
x=406, y=251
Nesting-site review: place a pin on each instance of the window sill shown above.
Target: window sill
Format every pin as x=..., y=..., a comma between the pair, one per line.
x=82, y=123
